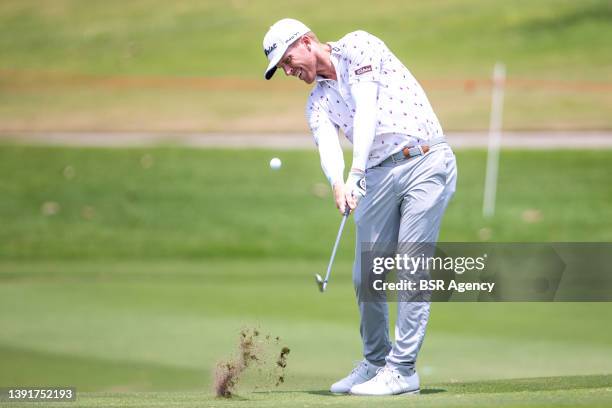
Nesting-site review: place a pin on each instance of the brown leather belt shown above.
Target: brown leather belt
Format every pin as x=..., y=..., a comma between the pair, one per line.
x=410, y=152
x=423, y=150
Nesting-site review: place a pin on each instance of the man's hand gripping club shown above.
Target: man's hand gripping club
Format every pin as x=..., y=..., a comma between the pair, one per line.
x=349, y=193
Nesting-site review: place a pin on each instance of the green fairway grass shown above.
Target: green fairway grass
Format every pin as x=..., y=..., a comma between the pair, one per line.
x=577, y=391
x=112, y=65
x=556, y=39
x=155, y=259
x=175, y=202
x=126, y=327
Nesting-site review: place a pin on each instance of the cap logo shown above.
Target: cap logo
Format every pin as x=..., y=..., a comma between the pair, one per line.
x=292, y=37
x=271, y=48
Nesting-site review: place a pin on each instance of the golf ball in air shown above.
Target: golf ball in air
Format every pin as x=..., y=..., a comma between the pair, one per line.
x=275, y=163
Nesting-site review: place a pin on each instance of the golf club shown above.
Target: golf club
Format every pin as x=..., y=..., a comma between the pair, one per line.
x=322, y=283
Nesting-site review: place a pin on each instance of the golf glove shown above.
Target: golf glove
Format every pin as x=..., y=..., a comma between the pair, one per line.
x=355, y=187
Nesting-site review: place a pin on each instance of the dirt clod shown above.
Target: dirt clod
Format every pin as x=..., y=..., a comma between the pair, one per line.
x=282, y=363
x=227, y=373
x=251, y=351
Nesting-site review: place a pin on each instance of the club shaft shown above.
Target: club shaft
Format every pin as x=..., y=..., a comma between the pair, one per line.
x=333, y=255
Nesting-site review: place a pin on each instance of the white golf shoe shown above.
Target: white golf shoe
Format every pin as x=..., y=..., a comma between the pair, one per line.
x=362, y=372
x=388, y=381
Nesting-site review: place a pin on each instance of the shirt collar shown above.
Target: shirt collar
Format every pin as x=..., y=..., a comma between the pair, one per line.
x=333, y=56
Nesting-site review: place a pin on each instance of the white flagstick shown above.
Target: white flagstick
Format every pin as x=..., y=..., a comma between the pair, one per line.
x=495, y=129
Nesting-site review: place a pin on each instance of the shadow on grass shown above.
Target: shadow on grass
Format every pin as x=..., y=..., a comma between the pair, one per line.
x=233, y=397
x=327, y=393
x=312, y=392
x=496, y=386
x=426, y=391
x=532, y=384
x=91, y=373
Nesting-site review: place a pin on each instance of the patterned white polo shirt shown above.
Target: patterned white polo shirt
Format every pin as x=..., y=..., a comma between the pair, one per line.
x=404, y=116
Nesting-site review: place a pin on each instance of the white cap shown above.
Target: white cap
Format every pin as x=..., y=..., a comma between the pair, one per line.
x=279, y=37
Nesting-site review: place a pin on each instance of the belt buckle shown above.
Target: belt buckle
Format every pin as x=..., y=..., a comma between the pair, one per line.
x=406, y=152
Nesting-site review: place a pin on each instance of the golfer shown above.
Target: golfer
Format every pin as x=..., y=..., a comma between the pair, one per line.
x=402, y=176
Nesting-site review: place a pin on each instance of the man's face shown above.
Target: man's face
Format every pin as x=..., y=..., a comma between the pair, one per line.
x=299, y=61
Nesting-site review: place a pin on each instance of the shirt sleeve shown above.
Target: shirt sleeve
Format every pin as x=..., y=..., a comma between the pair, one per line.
x=364, y=124
x=325, y=134
x=364, y=58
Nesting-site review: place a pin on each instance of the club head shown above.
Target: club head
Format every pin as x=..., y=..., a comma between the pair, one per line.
x=320, y=282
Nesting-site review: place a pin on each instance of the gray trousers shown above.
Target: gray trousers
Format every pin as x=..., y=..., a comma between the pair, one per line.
x=405, y=202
